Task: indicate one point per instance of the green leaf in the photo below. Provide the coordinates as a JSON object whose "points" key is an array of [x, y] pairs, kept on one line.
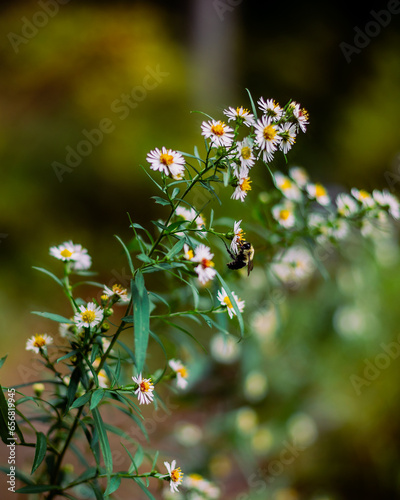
{"points": [[253, 107], [141, 319], [175, 249], [53, 317], [18, 474], [175, 193], [2, 360], [73, 386], [90, 473], [66, 356], [161, 201], [113, 485], [233, 301], [139, 482], [4, 432], [128, 255], [97, 396], [37, 488], [40, 452], [45, 271], [81, 400], [104, 443], [133, 465]]}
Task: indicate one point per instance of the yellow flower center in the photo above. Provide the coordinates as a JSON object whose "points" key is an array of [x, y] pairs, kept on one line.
{"points": [[319, 190], [228, 302], [117, 289], [104, 297], [207, 263], [246, 153], [304, 113], [182, 371], [88, 316], [66, 253], [176, 475], [196, 477], [145, 386], [286, 184], [189, 255], [240, 235], [39, 341], [245, 185], [284, 214], [364, 195], [218, 129], [166, 159], [269, 133]]}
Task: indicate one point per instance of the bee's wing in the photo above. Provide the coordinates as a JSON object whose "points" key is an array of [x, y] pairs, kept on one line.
{"points": [[249, 266]]}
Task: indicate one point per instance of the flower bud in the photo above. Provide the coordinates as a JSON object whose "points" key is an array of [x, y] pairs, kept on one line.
{"points": [[38, 389]]}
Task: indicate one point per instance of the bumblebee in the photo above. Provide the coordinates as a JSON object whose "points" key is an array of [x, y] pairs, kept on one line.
{"points": [[243, 258]]}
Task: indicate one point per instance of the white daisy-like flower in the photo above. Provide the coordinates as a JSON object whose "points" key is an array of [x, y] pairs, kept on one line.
{"points": [[192, 216], [145, 389], [271, 109], [82, 260], [363, 197], [238, 237], [102, 377], [319, 193], [339, 229], [38, 341], [64, 252], [205, 270], [222, 296], [188, 252], [375, 224], [387, 200], [67, 330], [242, 188], [88, 316], [246, 157], [181, 373], [287, 132], [200, 488], [170, 162], [267, 137], [296, 264], [218, 132], [175, 474], [118, 292], [299, 175], [346, 206], [289, 188], [300, 115], [240, 113], [284, 214]]}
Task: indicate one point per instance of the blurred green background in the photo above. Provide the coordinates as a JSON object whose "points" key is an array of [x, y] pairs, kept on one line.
{"points": [[74, 71]]}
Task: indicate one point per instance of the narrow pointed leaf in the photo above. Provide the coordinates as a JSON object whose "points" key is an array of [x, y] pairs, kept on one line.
{"points": [[141, 319], [40, 452]]}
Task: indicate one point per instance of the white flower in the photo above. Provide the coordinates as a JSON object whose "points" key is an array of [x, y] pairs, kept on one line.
{"points": [[222, 296], [346, 206], [192, 216], [118, 291], [188, 255], [200, 488], [296, 264], [181, 372], [363, 196], [289, 189], [76, 254], [242, 113], [238, 238], [242, 189], [319, 193], [271, 109], [169, 162], [267, 137], [205, 270], [88, 316], [224, 348], [300, 115], [175, 474], [284, 214], [38, 341], [299, 175], [287, 132], [339, 228], [387, 200], [145, 389], [218, 132], [66, 330], [102, 377], [246, 156]]}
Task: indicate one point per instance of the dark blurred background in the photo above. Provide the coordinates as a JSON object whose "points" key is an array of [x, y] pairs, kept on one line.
{"points": [[66, 72]]}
